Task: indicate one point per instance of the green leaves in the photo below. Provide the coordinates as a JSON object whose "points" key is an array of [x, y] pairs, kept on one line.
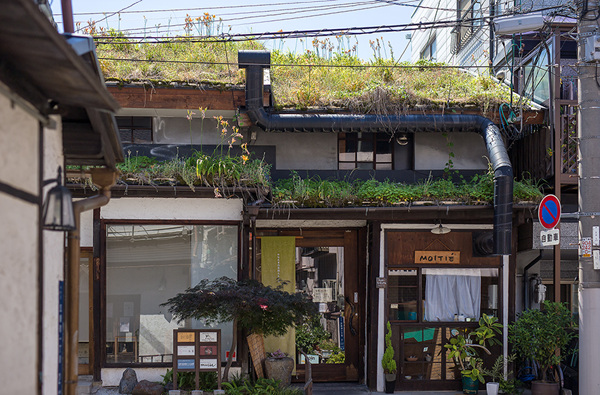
{"points": [[387, 361], [538, 335], [254, 306]]}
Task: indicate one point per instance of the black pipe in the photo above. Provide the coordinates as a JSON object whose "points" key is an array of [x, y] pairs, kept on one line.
{"points": [[255, 61]]}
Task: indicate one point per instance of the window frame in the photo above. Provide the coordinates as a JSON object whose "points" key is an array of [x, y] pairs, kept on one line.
{"points": [[126, 124], [375, 138], [100, 283]]}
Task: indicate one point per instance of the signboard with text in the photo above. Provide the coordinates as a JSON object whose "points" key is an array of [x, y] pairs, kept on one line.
{"points": [[196, 350], [440, 257]]}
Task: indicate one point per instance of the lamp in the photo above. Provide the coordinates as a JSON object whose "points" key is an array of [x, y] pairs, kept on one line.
{"points": [[440, 230], [58, 206], [402, 139]]}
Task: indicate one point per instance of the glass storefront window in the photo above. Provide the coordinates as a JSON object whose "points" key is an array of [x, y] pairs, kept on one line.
{"points": [[459, 294], [148, 264]]}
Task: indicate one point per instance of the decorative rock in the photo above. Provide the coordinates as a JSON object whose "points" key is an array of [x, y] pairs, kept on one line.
{"points": [[146, 387], [128, 381]]}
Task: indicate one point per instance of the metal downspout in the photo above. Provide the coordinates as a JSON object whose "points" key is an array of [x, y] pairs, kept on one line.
{"points": [[255, 61], [104, 179]]}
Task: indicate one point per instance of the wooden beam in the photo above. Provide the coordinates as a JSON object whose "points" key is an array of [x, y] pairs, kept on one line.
{"points": [[177, 98]]}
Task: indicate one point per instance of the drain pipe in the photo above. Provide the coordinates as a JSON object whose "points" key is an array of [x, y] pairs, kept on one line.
{"points": [[104, 179], [255, 61]]}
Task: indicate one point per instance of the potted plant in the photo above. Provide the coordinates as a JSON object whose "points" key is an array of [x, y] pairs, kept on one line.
{"points": [[389, 363], [464, 350], [261, 309], [542, 337], [496, 375]]}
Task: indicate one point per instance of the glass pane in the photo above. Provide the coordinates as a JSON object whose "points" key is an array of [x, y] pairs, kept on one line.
{"points": [[384, 158], [347, 166], [365, 142], [84, 310], [320, 274], [402, 294], [423, 350], [347, 157], [364, 165], [384, 146], [384, 166], [164, 260]]}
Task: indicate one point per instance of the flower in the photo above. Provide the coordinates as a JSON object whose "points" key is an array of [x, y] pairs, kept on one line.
{"points": [[264, 306], [277, 354]]}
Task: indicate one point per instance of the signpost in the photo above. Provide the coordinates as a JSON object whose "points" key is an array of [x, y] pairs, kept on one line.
{"points": [[196, 350]]}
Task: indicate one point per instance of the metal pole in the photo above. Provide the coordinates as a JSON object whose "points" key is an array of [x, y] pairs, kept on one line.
{"points": [[67, 11], [589, 176], [505, 275]]}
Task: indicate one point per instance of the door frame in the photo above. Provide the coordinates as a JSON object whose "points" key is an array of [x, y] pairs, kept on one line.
{"points": [[353, 240], [88, 368]]}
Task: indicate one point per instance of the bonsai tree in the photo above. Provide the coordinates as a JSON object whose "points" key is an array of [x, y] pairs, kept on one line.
{"points": [[464, 349], [388, 362], [539, 335], [248, 303]]}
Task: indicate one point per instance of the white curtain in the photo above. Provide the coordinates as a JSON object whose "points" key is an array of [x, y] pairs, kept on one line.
{"points": [[452, 291]]}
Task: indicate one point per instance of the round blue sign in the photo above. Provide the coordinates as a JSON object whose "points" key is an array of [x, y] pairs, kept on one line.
{"points": [[549, 211]]}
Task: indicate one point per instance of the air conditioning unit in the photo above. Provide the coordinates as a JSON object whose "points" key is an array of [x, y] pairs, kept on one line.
{"points": [[514, 24]]}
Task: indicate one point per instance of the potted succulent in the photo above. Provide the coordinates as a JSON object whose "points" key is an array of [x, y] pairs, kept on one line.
{"points": [[542, 337], [464, 350], [389, 363]]}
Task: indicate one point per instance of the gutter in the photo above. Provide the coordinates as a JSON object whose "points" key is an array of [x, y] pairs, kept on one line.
{"points": [[104, 178], [256, 61]]}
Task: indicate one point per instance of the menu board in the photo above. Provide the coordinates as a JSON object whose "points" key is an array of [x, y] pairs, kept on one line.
{"points": [[196, 350]]}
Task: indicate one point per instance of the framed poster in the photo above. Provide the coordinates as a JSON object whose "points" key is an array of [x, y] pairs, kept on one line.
{"points": [[208, 337], [208, 350]]}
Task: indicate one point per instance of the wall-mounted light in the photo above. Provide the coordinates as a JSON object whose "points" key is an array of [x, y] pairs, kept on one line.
{"points": [[440, 229], [402, 139], [58, 206]]}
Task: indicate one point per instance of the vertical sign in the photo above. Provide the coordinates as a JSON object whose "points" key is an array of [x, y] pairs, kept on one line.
{"points": [[586, 247], [61, 333], [597, 259], [342, 335]]}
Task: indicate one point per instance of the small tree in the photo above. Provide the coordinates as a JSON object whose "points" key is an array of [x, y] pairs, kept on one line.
{"points": [[248, 303], [539, 335], [387, 361]]}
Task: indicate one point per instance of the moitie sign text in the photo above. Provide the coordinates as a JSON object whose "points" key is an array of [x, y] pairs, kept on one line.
{"points": [[439, 257]]}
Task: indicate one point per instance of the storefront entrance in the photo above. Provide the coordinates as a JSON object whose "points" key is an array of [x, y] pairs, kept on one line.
{"points": [[329, 267]]}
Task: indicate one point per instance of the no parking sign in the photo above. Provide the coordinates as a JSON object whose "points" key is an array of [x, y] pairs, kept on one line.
{"points": [[549, 211]]}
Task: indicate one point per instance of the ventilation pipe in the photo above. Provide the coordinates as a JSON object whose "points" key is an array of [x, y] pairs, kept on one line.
{"points": [[255, 61]]}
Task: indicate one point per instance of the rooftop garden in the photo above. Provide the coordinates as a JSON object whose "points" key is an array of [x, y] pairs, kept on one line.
{"points": [[320, 74]]}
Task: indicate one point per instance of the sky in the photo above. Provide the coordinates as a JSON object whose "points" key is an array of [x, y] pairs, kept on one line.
{"points": [[154, 17]]}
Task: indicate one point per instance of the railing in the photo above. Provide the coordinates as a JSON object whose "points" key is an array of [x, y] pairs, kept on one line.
{"points": [[568, 138], [308, 381]]}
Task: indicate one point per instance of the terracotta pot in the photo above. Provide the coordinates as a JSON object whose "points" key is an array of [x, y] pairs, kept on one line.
{"points": [[280, 369], [543, 388]]}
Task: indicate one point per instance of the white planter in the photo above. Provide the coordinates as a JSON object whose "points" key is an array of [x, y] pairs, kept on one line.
{"points": [[492, 388]]}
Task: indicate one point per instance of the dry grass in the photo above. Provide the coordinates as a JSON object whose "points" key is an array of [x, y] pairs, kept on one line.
{"points": [[304, 81]]}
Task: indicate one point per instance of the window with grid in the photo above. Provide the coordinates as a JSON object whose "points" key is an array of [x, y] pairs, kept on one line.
{"points": [[365, 150], [135, 129]]}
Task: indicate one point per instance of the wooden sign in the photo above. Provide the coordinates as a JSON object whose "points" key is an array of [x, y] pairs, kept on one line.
{"points": [[196, 350], [437, 257]]}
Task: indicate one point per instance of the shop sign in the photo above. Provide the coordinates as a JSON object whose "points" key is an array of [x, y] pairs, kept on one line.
{"points": [[437, 257], [380, 282]]}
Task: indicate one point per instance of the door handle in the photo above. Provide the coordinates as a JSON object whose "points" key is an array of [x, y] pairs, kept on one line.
{"points": [[352, 315]]}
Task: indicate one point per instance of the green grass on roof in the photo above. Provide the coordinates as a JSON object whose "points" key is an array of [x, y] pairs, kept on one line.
{"points": [[307, 80]]}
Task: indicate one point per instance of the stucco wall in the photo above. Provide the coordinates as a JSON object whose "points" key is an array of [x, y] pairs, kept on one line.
{"points": [[432, 151], [167, 208], [19, 246]]}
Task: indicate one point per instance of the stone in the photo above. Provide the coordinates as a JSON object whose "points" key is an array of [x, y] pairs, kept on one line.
{"points": [[280, 369], [128, 381], [146, 387]]}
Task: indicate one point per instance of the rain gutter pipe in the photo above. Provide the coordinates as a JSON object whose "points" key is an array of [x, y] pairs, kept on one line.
{"points": [[104, 178], [256, 61]]}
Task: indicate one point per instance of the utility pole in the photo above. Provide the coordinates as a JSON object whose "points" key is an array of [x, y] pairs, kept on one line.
{"points": [[588, 132]]}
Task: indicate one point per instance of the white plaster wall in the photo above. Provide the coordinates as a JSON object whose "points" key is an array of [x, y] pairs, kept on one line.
{"points": [[306, 151], [54, 243], [432, 151], [173, 208], [19, 251], [86, 234]]}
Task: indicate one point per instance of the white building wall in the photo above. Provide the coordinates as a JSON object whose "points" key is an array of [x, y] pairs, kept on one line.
{"points": [[54, 243], [19, 325]]}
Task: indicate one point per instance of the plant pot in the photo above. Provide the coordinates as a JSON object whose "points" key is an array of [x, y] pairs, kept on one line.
{"points": [[280, 369], [469, 385], [492, 388], [543, 388], [390, 383]]}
